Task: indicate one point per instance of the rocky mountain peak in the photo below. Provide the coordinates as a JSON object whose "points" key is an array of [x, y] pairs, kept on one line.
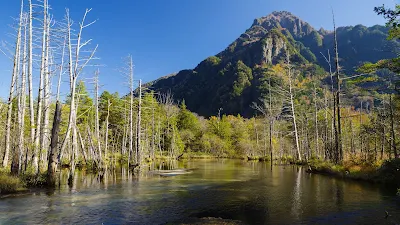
{"points": [[286, 20]]}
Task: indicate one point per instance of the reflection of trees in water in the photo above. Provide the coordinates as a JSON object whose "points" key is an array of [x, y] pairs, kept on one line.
{"points": [[338, 190], [296, 198]]}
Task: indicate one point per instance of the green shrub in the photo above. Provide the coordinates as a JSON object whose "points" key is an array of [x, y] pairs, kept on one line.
{"points": [[34, 180], [9, 184], [389, 172]]}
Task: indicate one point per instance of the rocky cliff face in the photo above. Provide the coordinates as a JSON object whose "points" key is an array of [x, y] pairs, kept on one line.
{"points": [[297, 27], [232, 79]]}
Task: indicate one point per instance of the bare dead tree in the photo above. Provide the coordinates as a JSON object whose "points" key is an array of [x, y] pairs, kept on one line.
{"points": [[338, 139], [138, 124], [96, 120], [107, 124], [43, 71], [77, 63], [12, 88], [22, 100], [30, 72], [291, 93]]}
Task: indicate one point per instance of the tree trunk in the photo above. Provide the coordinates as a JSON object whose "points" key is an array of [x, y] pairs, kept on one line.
{"points": [[46, 99], [82, 146], [131, 110], [153, 134], [293, 110], [326, 126], [139, 128], [52, 164], [392, 127], [96, 119], [382, 139], [72, 84], [271, 121], [40, 94], [12, 87], [74, 154], [316, 123], [360, 131], [22, 105], [339, 148], [106, 136], [30, 66]]}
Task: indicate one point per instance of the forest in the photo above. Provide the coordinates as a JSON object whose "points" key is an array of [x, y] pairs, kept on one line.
{"points": [[303, 114]]}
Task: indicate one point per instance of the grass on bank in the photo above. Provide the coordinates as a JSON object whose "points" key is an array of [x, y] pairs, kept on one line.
{"points": [[385, 172], [12, 184]]}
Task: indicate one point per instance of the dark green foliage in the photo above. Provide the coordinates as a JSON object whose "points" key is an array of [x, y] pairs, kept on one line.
{"points": [[34, 180], [389, 172], [393, 22], [213, 60], [243, 75], [391, 63], [187, 120]]}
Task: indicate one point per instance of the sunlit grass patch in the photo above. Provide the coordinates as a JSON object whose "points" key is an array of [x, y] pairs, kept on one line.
{"points": [[9, 183]]}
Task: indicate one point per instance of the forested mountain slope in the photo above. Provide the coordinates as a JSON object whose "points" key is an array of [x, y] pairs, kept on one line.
{"points": [[236, 77]]}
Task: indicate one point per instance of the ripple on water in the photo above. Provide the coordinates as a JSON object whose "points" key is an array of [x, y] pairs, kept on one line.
{"points": [[253, 193]]}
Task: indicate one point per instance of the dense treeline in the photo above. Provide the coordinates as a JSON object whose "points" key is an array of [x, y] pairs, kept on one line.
{"points": [[304, 112]]}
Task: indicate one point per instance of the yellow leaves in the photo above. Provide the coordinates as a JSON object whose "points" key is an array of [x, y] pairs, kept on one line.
{"points": [[304, 82], [278, 69], [213, 118]]}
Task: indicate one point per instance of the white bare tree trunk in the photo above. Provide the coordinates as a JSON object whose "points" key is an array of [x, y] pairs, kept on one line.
{"points": [[72, 87], [153, 138], [106, 136], [38, 132], [44, 143], [22, 103], [293, 108], [12, 89], [139, 128], [96, 120], [130, 110], [30, 66], [61, 71], [316, 122]]}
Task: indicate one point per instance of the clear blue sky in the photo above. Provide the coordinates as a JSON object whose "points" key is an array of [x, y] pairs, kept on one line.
{"points": [[165, 36]]}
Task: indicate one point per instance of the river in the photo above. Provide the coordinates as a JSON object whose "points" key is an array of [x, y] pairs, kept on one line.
{"points": [[251, 192]]}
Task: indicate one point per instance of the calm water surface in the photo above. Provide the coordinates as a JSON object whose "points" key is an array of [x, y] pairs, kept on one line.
{"points": [[252, 192]]}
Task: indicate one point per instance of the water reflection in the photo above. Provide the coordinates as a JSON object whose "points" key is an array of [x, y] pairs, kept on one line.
{"points": [[296, 203], [252, 192]]}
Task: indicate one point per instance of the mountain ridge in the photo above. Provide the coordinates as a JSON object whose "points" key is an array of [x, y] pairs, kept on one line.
{"points": [[228, 79]]}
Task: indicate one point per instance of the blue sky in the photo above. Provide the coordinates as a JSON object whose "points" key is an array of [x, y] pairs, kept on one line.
{"points": [[165, 36]]}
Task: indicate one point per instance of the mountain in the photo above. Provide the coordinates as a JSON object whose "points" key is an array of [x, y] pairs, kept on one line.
{"points": [[235, 77]]}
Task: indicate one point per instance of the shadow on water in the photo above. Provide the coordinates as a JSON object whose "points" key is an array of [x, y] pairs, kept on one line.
{"points": [[251, 192]]}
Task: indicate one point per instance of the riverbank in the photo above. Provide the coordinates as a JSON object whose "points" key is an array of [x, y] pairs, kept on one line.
{"points": [[202, 155], [386, 173], [11, 184]]}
